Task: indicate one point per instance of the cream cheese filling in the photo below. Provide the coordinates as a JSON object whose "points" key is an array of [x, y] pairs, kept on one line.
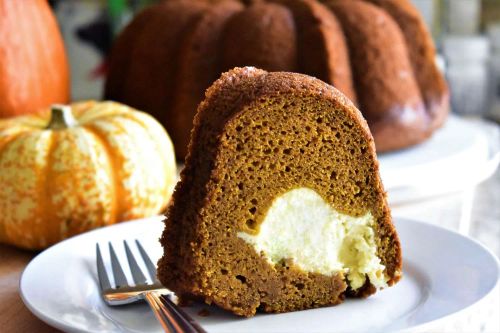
{"points": [[300, 225]]}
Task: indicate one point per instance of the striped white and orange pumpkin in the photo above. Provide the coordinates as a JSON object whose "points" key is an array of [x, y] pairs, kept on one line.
{"points": [[74, 168]]}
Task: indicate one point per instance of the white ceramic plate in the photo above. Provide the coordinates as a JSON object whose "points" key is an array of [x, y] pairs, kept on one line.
{"points": [[461, 154], [444, 273]]}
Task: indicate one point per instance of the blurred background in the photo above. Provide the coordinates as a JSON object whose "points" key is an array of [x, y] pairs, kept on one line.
{"points": [[466, 33]]}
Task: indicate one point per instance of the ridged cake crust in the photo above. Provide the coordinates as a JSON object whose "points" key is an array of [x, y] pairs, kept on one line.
{"points": [[179, 45], [422, 53], [393, 107], [198, 65], [258, 135], [263, 34], [121, 57], [154, 48], [321, 44]]}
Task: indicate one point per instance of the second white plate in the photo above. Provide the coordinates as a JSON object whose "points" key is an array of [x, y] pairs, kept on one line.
{"points": [[460, 155]]}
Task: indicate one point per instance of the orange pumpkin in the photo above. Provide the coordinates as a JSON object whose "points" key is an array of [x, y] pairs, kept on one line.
{"points": [[79, 168], [33, 64]]}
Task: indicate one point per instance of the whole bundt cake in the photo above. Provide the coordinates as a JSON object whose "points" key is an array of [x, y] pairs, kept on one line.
{"points": [[377, 52], [280, 206]]}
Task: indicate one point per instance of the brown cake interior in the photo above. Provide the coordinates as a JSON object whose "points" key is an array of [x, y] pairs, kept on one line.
{"points": [[258, 135]]}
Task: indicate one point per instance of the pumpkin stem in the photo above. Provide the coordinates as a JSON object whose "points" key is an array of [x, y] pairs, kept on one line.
{"points": [[61, 117]]}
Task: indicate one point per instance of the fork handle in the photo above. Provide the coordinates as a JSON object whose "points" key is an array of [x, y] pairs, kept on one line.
{"points": [[171, 317], [153, 300]]}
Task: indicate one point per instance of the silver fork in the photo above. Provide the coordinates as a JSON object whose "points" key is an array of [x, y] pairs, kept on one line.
{"points": [[172, 318]]}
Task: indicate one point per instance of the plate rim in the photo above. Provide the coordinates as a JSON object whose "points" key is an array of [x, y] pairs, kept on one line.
{"points": [[396, 220]]}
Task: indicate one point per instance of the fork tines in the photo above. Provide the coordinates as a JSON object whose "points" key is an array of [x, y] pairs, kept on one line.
{"points": [[120, 280], [171, 317]]}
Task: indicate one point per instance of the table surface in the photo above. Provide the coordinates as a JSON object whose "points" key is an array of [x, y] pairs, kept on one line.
{"points": [[15, 317]]}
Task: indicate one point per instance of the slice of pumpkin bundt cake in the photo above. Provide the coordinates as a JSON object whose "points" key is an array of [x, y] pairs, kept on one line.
{"points": [[280, 206]]}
